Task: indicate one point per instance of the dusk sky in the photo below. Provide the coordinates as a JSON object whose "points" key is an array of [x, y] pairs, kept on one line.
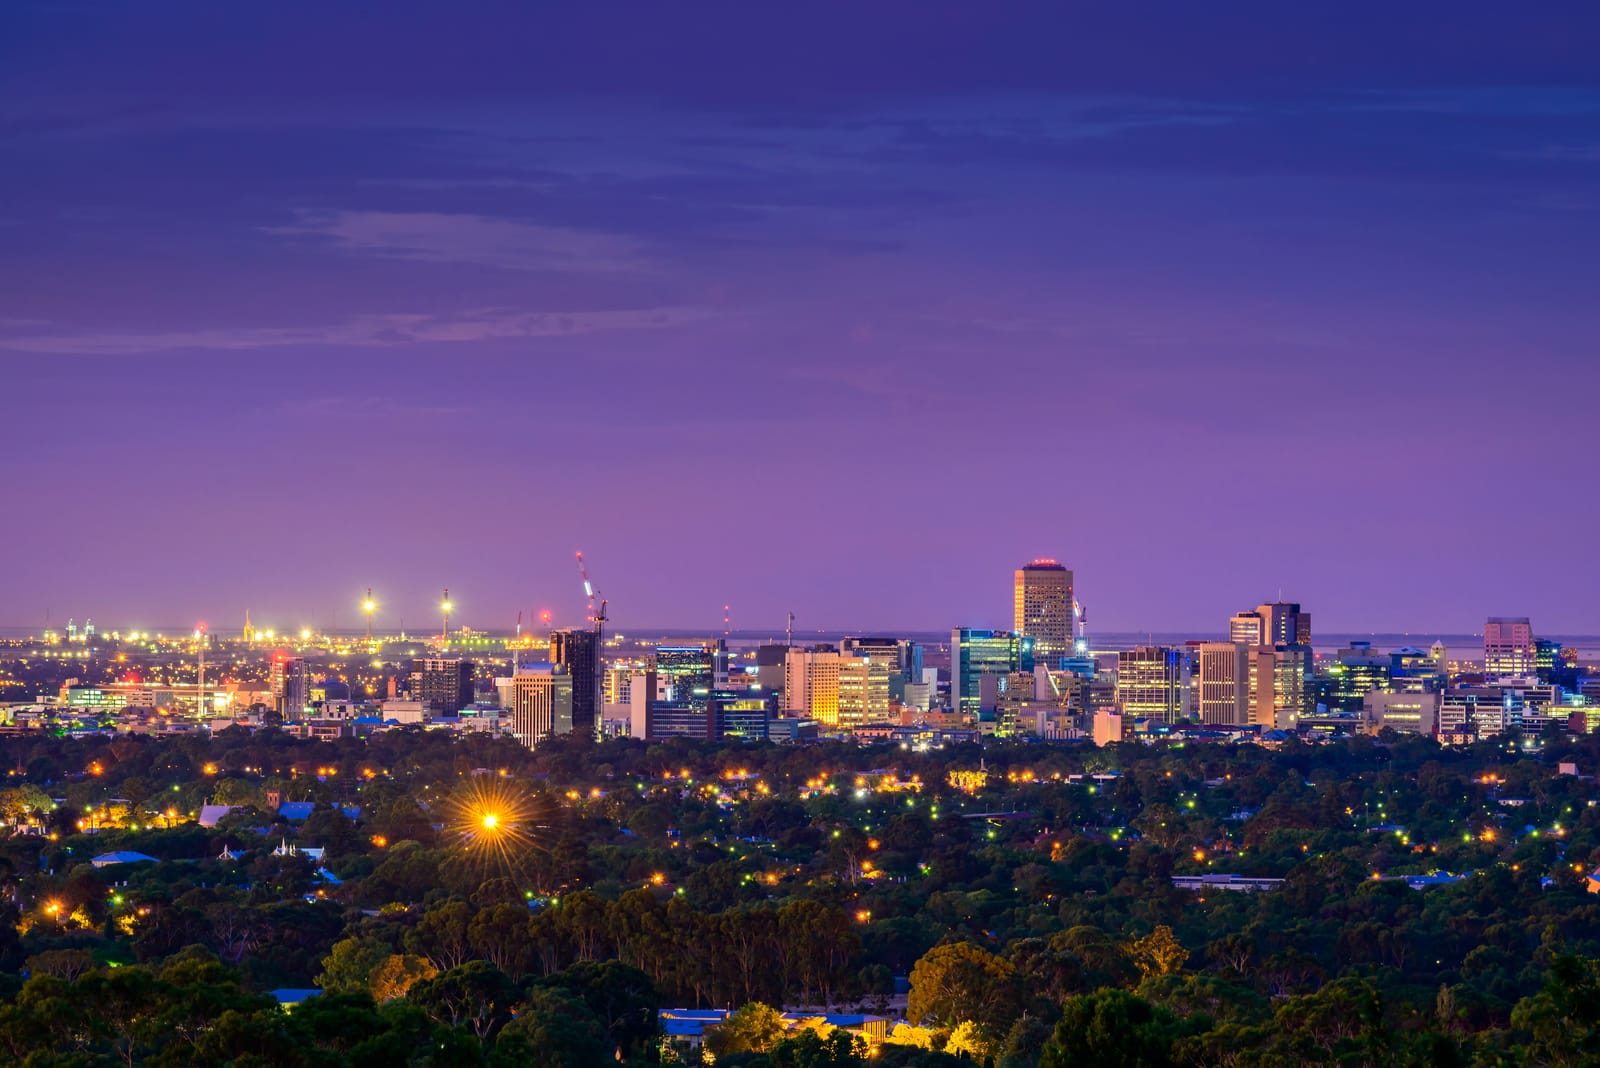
{"points": [[848, 309]]}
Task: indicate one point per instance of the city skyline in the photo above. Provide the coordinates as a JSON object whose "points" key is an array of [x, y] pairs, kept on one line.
{"points": [[1207, 309]]}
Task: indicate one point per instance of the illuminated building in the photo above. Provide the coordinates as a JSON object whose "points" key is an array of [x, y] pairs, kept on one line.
{"points": [[1508, 647], [1041, 609], [1150, 683], [1279, 623], [1355, 672], [442, 684], [540, 699], [811, 684], [1281, 689], [688, 673], [685, 678], [862, 691], [1223, 674], [979, 659], [1409, 713], [1279, 660], [290, 682], [579, 652], [903, 659], [746, 715]]}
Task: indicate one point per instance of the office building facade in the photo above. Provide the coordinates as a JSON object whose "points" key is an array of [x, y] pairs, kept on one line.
{"points": [[540, 700], [979, 659], [1041, 609], [443, 685], [578, 651], [1151, 683], [1508, 649], [1222, 672], [290, 680]]}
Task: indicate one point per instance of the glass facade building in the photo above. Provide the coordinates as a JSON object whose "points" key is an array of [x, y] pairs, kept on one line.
{"points": [[979, 659]]}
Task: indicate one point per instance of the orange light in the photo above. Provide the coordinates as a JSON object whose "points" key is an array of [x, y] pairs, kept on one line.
{"points": [[658, 878], [379, 840]]}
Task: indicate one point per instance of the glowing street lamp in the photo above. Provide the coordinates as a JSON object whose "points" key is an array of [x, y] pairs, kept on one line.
{"points": [[490, 821]]}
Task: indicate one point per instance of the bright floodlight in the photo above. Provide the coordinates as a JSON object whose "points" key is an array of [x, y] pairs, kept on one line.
{"points": [[490, 821], [369, 606]]}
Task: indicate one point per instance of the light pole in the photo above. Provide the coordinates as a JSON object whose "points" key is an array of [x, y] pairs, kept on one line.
{"points": [[444, 607], [369, 606], [200, 685]]}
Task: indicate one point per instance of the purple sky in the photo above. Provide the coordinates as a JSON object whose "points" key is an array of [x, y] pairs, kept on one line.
{"points": [[844, 308]]}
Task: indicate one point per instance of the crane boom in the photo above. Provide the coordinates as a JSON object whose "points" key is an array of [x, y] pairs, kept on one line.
{"points": [[588, 587]]}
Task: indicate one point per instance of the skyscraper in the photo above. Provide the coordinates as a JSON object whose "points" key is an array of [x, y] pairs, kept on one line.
{"points": [[1281, 688], [1277, 637], [442, 684], [863, 691], [291, 684], [541, 703], [811, 684], [1150, 683], [979, 660], [1041, 609], [1223, 675], [1279, 623], [579, 652], [1508, 647]]}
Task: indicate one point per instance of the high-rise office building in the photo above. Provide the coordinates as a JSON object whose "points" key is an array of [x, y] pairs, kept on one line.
{"points": [[1281, 685], [1279, 623], [745, 715], [686, 676], [687, 673], [290, 679], [540, 698], [1150, 683], [443, 685], [863, 691], [1356, 671], [579, 652], [1508, 647], [811, 684], [1279, 660], [1041, 609], [903, 659], [1222, 671], [979, 660]]}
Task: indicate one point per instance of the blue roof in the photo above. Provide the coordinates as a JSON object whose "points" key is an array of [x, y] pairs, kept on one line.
{"points": [[289, 995], [123, 857], [296, 810]]}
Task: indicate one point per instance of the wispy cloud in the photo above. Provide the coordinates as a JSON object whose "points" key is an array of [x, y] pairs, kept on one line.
{"points": [[438, 237], [485, 324]]}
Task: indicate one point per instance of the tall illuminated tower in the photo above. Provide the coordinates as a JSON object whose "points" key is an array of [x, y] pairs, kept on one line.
{"points": [[1508, 649], [369, 606], [1041, 609]]}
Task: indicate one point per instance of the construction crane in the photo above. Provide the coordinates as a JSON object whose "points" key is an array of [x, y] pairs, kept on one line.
{"points": [[588, 587]]}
